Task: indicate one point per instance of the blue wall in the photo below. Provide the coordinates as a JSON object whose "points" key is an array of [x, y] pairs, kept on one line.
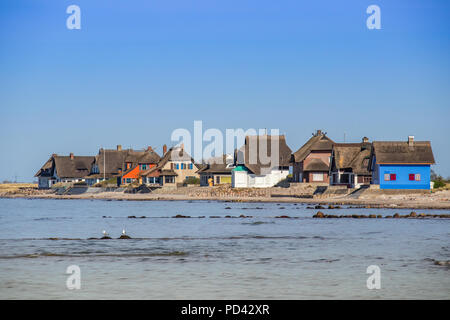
{"points": [[403, 172]]}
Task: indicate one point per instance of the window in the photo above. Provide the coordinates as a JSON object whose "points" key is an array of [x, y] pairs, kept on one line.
{"points": [[128, 180], [317, 176], [412, 177], [218, 180], [169, 179], [144, 167], [393, 176], [177, 166], [190, 166], [417, 176], [183, 166], [387, 177]]}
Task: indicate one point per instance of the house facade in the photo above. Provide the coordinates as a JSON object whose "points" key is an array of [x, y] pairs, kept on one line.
{"points": [[175, 166], [217, 172], [253, 170], [402, 164], [137, 162], [350, 164], [311, 163], [65, 169]]}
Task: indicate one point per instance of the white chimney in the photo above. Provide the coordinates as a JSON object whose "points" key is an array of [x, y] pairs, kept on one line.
{"points": [[411, 141]]}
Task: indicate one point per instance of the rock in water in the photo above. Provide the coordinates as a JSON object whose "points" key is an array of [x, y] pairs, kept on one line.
{"points": [[319, 214]]}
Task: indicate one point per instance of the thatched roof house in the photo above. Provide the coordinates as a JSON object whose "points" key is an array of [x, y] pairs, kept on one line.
{"points": [[64, 169], [401, 164], [350, 163], [311, 163]]}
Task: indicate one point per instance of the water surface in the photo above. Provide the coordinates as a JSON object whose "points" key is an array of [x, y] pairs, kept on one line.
{"points": [[209, 256]]}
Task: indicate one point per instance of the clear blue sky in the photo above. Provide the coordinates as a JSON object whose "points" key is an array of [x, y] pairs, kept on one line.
{"points": [[139, 69]]}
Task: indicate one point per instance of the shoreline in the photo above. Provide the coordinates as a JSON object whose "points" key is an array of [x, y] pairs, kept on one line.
{"points": [[384, 203]]}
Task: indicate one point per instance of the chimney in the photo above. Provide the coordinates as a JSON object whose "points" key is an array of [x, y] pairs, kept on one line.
{"points": [[164, 149], [54, 155], [318, 132], [411, 141], [149, 149], [71, 156], [365, 140], [119, 147], [182, 146]]}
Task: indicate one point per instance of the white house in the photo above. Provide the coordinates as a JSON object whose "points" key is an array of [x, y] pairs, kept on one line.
{"points": [[260, 166]]}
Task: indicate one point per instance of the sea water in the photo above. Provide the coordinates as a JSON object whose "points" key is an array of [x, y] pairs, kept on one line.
{"points": [[210, 256]]}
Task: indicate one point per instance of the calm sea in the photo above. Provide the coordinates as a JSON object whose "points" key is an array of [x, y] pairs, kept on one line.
{"points": [[209, 256]]}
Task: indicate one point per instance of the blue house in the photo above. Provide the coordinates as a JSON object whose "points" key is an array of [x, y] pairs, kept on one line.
{"points": [[401, 164]]}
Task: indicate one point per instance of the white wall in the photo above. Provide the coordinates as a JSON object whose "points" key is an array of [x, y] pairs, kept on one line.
{"points": [[243, 179]]}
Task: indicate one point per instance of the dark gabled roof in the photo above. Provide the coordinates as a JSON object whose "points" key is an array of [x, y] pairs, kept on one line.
{"points": [[354, 156], [46, 170], [319, 142], [400, 152], [251, 158], [316, 165], [110, 162], [78, 167], [217, 165], [147, 156], [66, 166]]}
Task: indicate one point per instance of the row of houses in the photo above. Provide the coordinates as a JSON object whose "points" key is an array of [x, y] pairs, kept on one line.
{"points": [[387, 164]]}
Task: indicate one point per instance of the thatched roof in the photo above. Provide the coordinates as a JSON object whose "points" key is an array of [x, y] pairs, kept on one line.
{"points": [[111, 162], [316, 165], [249, 153], [139, 157], [400, 152], [319, 142], [67, 166], [353, 156]]}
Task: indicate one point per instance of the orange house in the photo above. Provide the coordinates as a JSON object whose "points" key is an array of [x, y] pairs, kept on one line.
{"points": [[134, 173]]}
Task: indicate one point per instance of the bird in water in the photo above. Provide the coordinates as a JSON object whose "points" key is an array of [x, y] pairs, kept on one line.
{"points": [[105, 235], [124, 235]]}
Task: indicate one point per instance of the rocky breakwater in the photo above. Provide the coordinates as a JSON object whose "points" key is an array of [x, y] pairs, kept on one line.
{"points": [[225, 191], [412, 215]]}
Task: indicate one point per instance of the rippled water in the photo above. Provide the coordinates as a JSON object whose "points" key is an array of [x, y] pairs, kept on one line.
{"points": [[209, 256]]}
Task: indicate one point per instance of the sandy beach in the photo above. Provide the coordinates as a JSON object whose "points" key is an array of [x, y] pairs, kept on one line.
{"points": [[366, 199]]}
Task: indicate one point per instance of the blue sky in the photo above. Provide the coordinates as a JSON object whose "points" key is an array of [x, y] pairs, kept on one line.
{"points": [[137, 70]]}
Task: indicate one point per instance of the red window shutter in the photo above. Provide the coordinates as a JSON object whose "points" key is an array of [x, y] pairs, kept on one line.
{"points": [[412, 177], [393, 177]]}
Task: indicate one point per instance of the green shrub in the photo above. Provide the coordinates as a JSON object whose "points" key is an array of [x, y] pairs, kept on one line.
{"points": [[191, 180], [439, 183]]}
